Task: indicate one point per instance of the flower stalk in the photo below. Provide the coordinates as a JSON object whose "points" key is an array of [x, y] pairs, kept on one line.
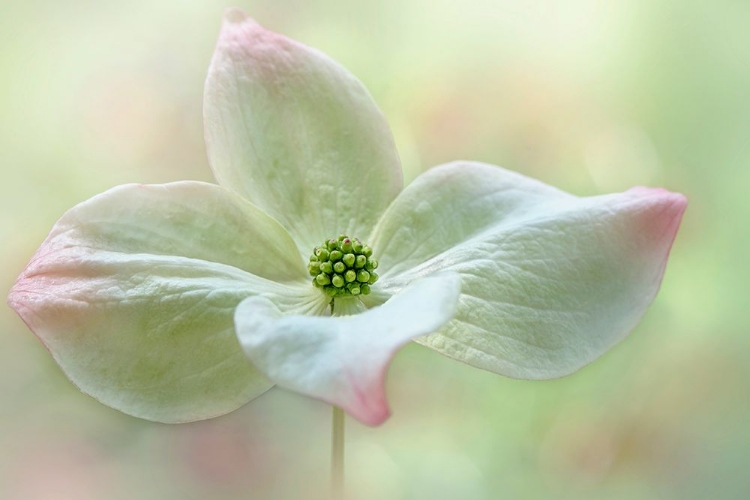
{"points": [[337, 454]]}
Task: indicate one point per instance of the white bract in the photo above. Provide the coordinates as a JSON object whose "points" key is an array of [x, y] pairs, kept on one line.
{"points": [[184, 301]]}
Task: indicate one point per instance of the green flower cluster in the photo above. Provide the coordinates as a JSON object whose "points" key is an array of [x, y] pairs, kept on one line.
{"points": [[343, 267]]}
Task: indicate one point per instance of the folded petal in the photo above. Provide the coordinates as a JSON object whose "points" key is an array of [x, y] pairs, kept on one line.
{"points": [[133, 293], [296, 134], [550, 281], [343, 359]]}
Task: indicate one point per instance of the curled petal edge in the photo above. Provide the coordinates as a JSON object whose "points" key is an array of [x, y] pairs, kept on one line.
{"points": [[343, 360]]}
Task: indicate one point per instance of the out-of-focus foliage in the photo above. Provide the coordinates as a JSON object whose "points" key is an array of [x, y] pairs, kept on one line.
{"points": [[588, 95]]}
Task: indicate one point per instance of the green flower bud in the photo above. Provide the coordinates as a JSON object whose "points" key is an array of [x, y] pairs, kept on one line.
{"points": [[371, 265], [357, 246], [322, 279], [336, 255], [349, 259], [346, 245], [360, 261], [366, 251], [365, 289], [337, 281], [373, 278], [332, 244], [322, 254], [314, 268], [363, 276], [339, 267], [350, 275], [326, 267]]}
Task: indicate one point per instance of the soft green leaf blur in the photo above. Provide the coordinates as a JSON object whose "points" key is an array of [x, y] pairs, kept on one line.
{"points": [[588, 95]]}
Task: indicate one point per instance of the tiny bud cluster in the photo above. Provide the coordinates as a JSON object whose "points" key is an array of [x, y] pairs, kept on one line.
{"points": [[343, 267]]}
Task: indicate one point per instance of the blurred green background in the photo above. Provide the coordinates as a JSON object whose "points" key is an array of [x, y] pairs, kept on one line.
{"points": [[589, 95]]}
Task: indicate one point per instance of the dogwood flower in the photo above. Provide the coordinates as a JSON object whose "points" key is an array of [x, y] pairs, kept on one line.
{"points": [[309, 265]]}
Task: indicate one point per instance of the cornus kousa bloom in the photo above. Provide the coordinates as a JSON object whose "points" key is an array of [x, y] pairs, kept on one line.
{"points": [[309, 264]]}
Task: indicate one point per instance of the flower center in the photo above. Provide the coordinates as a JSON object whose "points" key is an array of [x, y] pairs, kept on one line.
{"points": [[343, 267]]}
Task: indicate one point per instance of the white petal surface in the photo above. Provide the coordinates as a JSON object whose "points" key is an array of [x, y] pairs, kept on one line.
{"points": [[550, 281], [343, 359], [296, 134], [133, 292]]}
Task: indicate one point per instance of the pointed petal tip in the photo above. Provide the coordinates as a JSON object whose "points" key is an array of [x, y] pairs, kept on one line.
{"points": [[239, 26], [678, 200], [17, 299], [665, 213], [370, 406], [373, 418], [25, 290], [239, 31], [235, 15]]}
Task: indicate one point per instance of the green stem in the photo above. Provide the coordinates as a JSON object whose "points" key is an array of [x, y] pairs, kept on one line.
{"points": [[337, 449], [337, 454]]}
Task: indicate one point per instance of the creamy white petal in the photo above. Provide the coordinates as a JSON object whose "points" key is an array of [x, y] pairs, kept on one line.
{"points": [[133, 293], [550, 281], [343, 359], [296, 134]]}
